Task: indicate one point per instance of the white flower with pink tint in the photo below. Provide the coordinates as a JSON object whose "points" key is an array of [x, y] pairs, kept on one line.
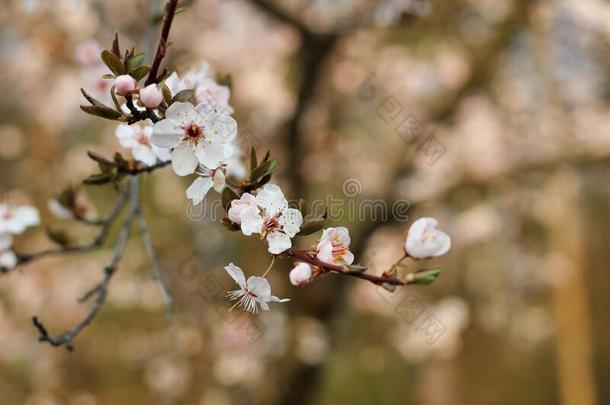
{"points": [[16, 219], [124, 85], [240, 207], [151, 96], [300, 274], [207, 180], [205, 89], [216, 96], [424, 240], [252, 293], [138, 138], [270, 216], [195, 136], [333, 247]]}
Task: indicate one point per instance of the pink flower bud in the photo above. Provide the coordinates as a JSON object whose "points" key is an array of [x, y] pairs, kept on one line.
{"points": [[124, 84], [150, 96], [300, 274]]}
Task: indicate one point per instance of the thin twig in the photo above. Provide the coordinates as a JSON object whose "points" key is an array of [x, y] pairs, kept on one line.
{"points": [[155, 264], [100, 291], [96, 242], [170, 11], [309, 256]]}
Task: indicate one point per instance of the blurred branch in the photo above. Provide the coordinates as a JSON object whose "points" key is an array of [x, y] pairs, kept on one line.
{"points": [[100, 290], [106, 226], [154, 262]]}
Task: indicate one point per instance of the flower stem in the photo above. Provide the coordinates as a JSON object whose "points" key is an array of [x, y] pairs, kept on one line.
{"points": [[270, 266]]}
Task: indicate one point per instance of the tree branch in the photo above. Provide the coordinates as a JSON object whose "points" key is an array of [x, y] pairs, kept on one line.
{"points": [[170, 11], [100, 291], [155, 264]]}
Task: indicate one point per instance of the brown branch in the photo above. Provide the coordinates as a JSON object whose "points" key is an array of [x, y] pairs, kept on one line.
{"points": [[154, 262], [106, 225], [170, 11], [100, 291], [309, 256]]}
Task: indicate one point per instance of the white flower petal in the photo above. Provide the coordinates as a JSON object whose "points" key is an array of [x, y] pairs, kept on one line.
{"points": [[183, 113], [167, 133], [291, 221], [198, 189], [184, 160], [278, 242], [251, 220], [424, 240], [27, 215], [260, 287], [272, 199], [237, 207], [236, 274], [210, 155], [144, 154], [8, 260], [221, 128]]}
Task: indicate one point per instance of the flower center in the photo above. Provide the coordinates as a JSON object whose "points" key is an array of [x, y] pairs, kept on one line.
{"points": [[272, 225], [143, 139], [193, 132], [7, 215]]}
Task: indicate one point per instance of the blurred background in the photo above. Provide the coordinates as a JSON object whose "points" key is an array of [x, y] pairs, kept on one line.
{"points": [[490, 115]]}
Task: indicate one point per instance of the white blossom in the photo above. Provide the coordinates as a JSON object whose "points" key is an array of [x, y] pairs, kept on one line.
{"points": [[424, 240], [15, 219], [207, 179], [268, 214], [252, 293], [300, 274], [138, 138], [333, 247], [205, 89], [196, 136]]}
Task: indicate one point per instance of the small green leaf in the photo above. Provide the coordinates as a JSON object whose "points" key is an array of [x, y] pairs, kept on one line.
{"points": [[427, 276], [134, 61], [101, 111], [116, 49], [263, 169], [90, 99], [109, 76], [139, 72], [58, 236], [180, 9], [167, 94], [98, 179], [228, 195], [114, 63]]}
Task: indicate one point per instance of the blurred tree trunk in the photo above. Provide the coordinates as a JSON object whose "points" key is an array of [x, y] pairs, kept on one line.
{"points": [[596, 205], [573, 321]]}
